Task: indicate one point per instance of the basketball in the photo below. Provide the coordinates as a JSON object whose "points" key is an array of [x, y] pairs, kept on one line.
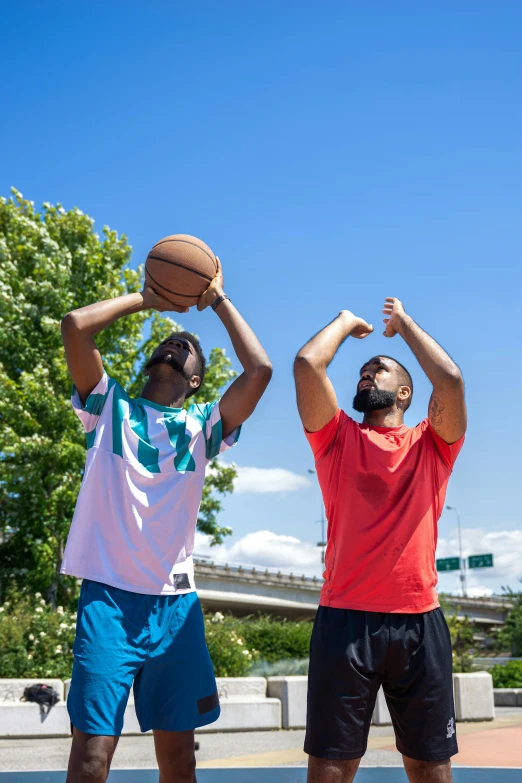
{"points": [[180, 268]]}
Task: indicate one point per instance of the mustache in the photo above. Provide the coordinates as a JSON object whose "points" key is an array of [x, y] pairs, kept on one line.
{"points": [[171, 361]]}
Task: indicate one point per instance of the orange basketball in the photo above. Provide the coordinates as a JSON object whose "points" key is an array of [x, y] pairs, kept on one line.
{"points": [[180, 268]]}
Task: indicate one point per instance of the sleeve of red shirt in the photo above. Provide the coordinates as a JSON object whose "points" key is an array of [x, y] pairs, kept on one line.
{"points": [[448, 452], [321, 440]]}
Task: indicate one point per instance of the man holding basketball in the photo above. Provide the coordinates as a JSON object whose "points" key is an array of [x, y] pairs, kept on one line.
{"points": [[132, 535], [379, 620]]}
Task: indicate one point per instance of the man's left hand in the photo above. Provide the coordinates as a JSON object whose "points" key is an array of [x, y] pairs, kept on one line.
{"points": [[394, 311], [214, 290]]}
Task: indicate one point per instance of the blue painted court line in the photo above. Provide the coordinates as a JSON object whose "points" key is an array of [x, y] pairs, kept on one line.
{"points": [[275, 775]]}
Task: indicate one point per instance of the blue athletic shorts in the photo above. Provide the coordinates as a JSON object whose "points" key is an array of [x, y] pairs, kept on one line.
{"points": [[156, 642]]}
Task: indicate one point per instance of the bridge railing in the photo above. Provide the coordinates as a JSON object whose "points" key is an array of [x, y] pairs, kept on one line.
{"points": [[239, 569]]}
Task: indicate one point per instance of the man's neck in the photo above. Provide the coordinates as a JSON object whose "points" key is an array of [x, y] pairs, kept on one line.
{"points": [[387, 417], [163, 393]]}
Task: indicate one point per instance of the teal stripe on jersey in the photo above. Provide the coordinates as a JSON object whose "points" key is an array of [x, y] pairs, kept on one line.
{"points": [[94, 402], [90, 438], [147, 454], [119, 406], [180, 439], [202, 414], [213, 444]]}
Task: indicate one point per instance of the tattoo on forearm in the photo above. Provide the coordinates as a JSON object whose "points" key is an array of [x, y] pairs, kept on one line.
{"points": [[435, 412]]}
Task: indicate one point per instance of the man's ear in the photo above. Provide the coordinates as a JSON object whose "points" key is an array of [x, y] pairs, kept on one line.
{"points": [[403, 393], [195, 382]]}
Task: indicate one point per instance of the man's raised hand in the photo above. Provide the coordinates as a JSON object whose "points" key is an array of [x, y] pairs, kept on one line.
{"points": [[154, 301], [394, 312], [215, 289], [358, 326]]}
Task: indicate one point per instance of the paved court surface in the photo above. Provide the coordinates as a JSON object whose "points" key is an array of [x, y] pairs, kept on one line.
{"points": [[238, 757]]}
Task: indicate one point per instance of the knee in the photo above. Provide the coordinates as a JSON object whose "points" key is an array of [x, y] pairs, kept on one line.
{"points": [[178, 768], [430, 771], [419, 764], [89, 768], [187, 766], [331, 770]]}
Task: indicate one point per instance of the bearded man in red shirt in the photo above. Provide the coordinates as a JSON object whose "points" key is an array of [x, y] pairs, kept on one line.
{"points": [[379, 621]]}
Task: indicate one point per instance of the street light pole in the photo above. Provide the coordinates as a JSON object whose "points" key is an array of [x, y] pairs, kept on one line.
{"points": [[322, 533], [462, 562]]}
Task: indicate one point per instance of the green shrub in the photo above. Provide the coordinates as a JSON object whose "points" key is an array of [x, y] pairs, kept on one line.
{"points": [[230, 653], [510, 636], [276, 640], [240, 646], [35, 640], [507, 676], [462, 633]]}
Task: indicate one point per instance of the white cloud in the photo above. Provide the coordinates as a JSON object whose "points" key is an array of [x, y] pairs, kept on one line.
{"points": [[268, 480], [504, 545], [478, 590], [267, 549]]}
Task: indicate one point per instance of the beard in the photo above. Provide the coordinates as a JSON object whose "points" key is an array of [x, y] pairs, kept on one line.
{"points": [[373, 399], [171, 361]]}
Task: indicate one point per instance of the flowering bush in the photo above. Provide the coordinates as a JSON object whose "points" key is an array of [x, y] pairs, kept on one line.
{"points": [[230, 655], [237, 645], [35, 640]]}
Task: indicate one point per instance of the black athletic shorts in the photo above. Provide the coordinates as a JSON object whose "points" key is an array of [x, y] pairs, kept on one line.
{"points": [[352, 654]]}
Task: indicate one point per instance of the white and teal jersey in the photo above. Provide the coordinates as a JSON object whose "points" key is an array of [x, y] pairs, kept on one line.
{"points": [[136, 513]]}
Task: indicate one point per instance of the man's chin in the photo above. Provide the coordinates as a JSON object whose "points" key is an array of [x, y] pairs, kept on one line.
{"points": [[368, 400]]}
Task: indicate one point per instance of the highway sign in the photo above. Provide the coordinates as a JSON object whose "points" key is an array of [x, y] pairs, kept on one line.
{"points": [[448, 564], [480, 561]]}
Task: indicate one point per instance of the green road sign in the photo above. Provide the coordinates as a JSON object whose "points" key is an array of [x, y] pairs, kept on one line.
{"points": [[480, 561], [448, 564]]}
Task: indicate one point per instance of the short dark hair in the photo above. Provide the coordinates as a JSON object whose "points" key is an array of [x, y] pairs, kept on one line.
{"points": [[201, 367], [406, 377]]}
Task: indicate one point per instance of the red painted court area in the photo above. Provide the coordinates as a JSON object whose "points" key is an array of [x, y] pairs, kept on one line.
{"points": [[487, 747]]}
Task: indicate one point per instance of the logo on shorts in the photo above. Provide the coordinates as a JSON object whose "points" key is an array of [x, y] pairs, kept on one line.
{"points": [[451, 728]]}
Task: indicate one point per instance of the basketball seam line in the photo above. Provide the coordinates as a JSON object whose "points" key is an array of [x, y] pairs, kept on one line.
{"points": [[186, 242], [186, 296], [181, 266]]}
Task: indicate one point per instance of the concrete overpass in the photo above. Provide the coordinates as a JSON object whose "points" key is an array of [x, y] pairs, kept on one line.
{"points": [[246, 590]]}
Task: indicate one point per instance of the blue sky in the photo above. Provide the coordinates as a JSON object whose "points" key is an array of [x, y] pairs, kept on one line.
{"points": [[332, 153]]}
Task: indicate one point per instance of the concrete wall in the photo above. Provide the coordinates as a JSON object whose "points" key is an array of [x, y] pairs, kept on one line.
{"points": [[247, 704], [508, 697]]}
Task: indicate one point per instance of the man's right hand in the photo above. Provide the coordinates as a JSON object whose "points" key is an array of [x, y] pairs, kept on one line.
{"points": [[358, 326], [153, 301], [316, 398]]}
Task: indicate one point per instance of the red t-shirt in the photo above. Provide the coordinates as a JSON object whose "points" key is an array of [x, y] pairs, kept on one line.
{"points": [[384, 491]]}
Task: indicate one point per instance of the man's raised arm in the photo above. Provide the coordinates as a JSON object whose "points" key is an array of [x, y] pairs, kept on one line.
{"points": [[447, 408], [316, 399], [80, 326], [240, 399]]}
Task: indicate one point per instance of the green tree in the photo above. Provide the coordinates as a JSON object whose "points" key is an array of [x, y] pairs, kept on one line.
{"points": [[510, 637], [462, 633], [52, 262]]}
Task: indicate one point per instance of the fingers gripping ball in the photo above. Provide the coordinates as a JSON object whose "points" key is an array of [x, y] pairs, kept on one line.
{"points": [[180, 268]]}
